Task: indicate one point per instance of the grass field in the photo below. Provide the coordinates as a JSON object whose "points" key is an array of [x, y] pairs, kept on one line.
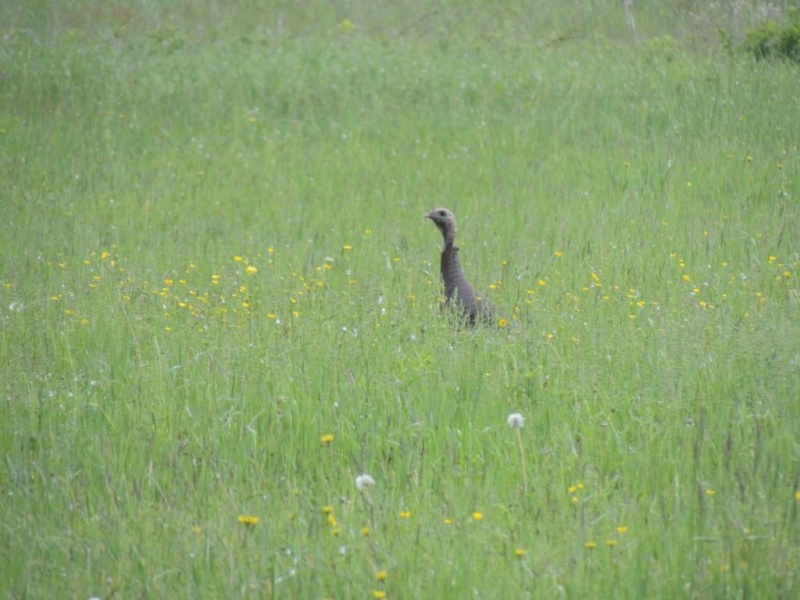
{"points": [[219, 301]]}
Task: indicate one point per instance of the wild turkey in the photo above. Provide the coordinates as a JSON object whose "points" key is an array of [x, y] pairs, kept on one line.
{"points": [[471, 305]]}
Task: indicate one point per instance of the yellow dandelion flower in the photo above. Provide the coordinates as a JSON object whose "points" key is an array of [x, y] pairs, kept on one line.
{"points": [[381, 575], [477, 516], [251, 270], [238, 258], [520, 552], [248, 520], [336, 531], [590, 545], [196, 529], [331, 520], [771, 259], [611, 543], [365, 531], [502, 323], [448, 521], [686, 277], [710, 492], [572, 489], [797, 495], [405, 514], [378, 594], [327, 438], [327, 509], [346, 247], [559, 254], [622, 529]]}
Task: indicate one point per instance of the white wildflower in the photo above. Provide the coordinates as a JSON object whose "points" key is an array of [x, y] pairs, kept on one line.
{"points": [[364, 481], [515, 420]]}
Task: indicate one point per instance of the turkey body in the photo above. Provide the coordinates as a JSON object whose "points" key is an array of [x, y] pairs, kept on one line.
{"points": [[472, 306]]}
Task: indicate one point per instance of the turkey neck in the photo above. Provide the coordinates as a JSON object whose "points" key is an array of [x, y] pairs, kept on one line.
{"points": [[452, 274]]}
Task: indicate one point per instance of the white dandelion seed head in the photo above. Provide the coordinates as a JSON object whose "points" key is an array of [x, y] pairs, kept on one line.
{"points": [[364, 481], [515, 420]]}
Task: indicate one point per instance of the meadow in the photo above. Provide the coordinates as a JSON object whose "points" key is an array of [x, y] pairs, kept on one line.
{"points": [[219, 301]]}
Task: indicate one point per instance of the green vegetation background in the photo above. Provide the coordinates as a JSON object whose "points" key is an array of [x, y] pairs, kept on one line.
{"points": [[219, 301]]}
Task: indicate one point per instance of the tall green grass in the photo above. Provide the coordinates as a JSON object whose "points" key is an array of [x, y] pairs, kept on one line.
{"points": [[215, 260]]}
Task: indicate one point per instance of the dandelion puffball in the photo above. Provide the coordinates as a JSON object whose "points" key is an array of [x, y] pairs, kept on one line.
{"points": [[515, 420], [364, 481]]}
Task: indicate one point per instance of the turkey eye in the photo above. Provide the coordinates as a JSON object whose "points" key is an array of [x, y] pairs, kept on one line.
{"points": [[442, 213]]}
